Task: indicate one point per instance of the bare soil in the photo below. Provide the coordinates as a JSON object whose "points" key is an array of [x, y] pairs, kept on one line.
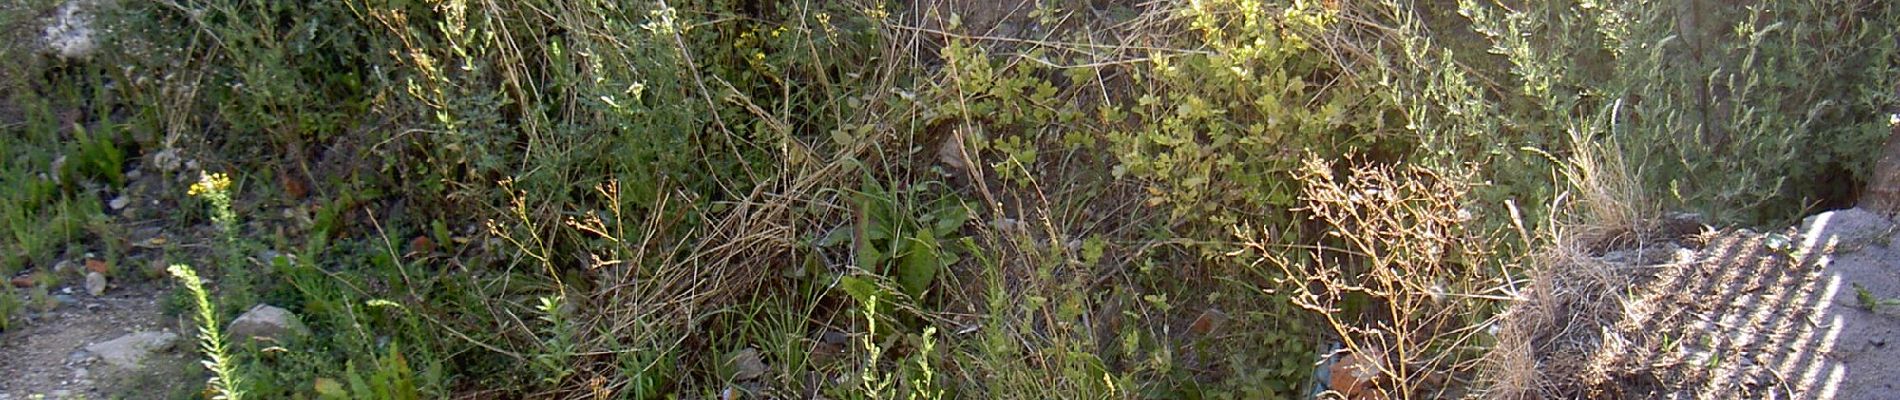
{"points": [[46, 354], [1728, 315]]}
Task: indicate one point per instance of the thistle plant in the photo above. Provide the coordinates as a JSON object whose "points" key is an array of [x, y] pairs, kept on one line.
{"points": [[210, 338]]}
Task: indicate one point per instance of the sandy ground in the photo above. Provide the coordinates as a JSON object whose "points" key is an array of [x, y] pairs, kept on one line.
{"points": [[46, 355], [1732, 315], [1858, 347]]}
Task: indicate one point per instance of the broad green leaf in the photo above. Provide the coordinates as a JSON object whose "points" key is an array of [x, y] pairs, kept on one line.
{"points": [[864, 291], [920, 265]]}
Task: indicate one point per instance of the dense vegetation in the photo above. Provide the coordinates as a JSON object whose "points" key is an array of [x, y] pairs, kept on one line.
{"points": [[1074, 199]]}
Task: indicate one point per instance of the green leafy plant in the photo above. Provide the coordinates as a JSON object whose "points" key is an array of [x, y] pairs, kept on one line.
{"points": [[9, 305], [1870, 302], [896, 237], [97, 157], [226, 380], [553, 361]]}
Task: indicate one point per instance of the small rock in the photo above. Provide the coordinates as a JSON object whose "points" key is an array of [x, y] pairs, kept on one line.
{"points": [[951, 153], [167, 160], [293, 187], [23, 281], [746, 365], [267, 321], [78, 357], [421, 245], [65, 299], [119, 203], [1352, 376], [156, 268], [96, 265], [834, 337], [65, 267], [95, 283], [1208, 323], [830, 347], [132, 349]]}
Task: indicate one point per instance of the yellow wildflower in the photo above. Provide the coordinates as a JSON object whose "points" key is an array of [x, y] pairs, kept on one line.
{"points": [[209, 183]]}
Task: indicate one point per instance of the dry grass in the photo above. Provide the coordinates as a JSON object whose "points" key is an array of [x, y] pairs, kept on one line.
{"points": [[1567, 293]]}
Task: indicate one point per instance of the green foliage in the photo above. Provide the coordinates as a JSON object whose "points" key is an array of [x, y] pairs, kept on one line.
{"points": [[392, 378], [96, 158], [1749, 114], [1869, 301], [226, 382], [9, 304], [899, 238], [554, 364], [914, 379], [1113, 150], [1222, 130]]}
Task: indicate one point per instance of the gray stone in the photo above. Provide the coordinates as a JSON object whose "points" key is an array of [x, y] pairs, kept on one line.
{"points": [[834, 337], [95, 283], [1844, 228], [167, 160], [267, 321], [131, 350], [78, 357], [66, 267], [746, 365]]}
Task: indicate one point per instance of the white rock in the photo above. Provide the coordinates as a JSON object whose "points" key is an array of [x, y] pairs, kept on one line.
{"points": [[1849, 227], [132, 349], [167, 160], [119, 203], [95, 283], [267, 321], [69, 34]]}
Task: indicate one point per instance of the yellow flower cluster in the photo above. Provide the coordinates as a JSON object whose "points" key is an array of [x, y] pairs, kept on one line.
{"points": [[209, 183]]}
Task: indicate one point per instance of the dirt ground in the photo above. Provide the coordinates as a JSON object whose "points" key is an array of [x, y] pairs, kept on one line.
{"points": [[1729, 315], [46, 355]]}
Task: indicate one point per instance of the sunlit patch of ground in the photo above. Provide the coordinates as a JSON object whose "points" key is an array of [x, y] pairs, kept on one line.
{"points": [[1735, 314]]}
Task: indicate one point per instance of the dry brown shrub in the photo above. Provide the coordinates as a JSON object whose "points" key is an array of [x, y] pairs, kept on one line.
{"points": [[1402, 275]]}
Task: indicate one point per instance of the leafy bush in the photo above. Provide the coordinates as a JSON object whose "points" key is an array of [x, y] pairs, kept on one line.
{"points": [[565, 199]]}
